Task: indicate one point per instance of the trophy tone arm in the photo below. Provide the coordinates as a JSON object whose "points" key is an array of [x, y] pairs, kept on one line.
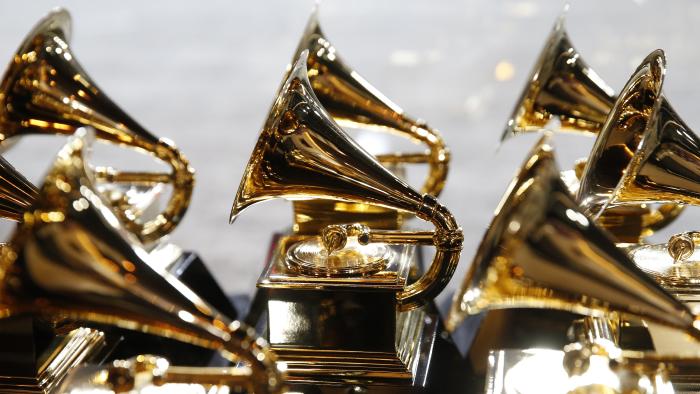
{"points": [[447, 239]]}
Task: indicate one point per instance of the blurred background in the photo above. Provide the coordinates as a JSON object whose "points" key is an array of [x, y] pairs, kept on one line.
{"points": [[204, 74]]}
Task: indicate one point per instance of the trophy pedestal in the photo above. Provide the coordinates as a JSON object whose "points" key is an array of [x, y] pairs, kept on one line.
{"points": [[35, 359], [340, 335]]}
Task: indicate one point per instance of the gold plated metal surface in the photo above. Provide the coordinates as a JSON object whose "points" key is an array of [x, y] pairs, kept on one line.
{"points": [[152, 374], [541, 251], [563, 86], [46, 91], [679, 277], [584, 368], [645, 153], [348, 329], [352, 101], [628, 223], [312, 258], [16, 192], [72, 259], [302, 154], [76, 347], [681, 246]]}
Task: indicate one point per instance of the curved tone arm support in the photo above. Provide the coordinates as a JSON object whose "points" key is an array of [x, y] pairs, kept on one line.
{"points": [[447, 239]]}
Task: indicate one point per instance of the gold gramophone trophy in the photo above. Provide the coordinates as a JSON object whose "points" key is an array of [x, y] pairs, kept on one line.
{"points": [[46, 91], [646, 153], [35, 352], [563, 87], [71, 259], [337, 307], [542, 252], [352, 102]]}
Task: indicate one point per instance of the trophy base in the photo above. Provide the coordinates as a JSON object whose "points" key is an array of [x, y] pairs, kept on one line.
{"points": [[35, 359], [337, 337], [439, 366]]}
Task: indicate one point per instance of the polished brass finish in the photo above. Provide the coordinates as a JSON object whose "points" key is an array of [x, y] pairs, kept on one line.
{"points": [[310, 217], [562, 86], [681, 246], [16, 192], [627, 223], [584, 368], [633, 223], [645, 152], [346, 329], [312, 258], [678, 273], [145, 373], [71, 259], [302, 154], [76, 347], [352, 101], [541, 251], [596, 329], [46, 91]]}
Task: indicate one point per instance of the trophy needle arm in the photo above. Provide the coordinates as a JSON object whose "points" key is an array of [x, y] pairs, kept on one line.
{"points": [[681, 246], [447, 239], [109, 174]]}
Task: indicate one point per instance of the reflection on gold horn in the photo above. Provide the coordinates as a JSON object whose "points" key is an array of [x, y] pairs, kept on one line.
{"points": [[302, 154], [562, 86], [541, 251], [645, 152], [46, 91], [72, 259], [352, 101], [16, 193]]}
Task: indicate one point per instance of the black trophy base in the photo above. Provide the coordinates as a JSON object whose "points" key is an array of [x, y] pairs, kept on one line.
{"points": [[192, 271]]}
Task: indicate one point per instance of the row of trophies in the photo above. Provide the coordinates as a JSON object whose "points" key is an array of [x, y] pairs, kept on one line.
{"points": [[564, 292]]}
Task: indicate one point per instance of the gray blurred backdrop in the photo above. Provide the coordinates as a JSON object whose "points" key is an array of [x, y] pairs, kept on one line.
{"points": [[204, 74]]}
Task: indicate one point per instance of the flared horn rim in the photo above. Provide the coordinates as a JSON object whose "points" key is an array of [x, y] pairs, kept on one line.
{"points": [[594, 196], [557, 34]]}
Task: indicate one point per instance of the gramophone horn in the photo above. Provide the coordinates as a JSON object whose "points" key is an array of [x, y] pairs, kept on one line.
{"points": [[352, 101], [645, 152], [46, 91], [562, 86], [541, 251], [71, 259], [17, 194], [302, 154]]}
